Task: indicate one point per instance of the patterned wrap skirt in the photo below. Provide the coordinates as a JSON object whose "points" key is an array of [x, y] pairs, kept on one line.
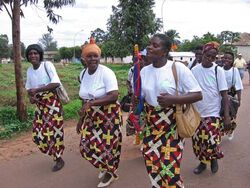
{"points": [[162, 148], [101, 137], [48, 125], [206, 140]]}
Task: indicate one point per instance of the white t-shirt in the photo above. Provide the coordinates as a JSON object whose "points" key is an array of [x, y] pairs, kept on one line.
{"points": [[161, 80], [39, 77], [233, 78], [210, 105], [98, 84]]}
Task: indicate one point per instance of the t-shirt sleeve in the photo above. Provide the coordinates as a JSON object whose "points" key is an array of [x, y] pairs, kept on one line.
{"points": [[237, 80], [221, 79], [187, 81], [110, 80], [27, 84], [52, 72]]}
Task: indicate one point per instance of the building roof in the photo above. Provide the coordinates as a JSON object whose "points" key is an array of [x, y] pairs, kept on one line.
{"points": [[244, 40], [181, 54]]}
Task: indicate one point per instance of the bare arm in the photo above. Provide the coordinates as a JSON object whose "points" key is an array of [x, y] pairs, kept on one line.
{"points": [[48, 87], [166, 99], [225, 102], [239, 96]]}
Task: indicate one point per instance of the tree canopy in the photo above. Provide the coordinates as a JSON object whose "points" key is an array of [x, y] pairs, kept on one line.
{"points": [[47, 42], [131, 22], [4, 47]]}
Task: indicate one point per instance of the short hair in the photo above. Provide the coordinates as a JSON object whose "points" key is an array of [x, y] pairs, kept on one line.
{"points": [[167, 42], [230, 53], [36, 47]]}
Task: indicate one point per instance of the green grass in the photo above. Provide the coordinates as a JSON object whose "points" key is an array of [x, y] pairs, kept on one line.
{"points": [[9, 124]]}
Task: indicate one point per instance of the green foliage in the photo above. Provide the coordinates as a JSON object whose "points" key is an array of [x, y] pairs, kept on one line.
{"points": [[9, 123], [66, 53], [71, 109], [47, 42], [4, 47], [131, 23]]}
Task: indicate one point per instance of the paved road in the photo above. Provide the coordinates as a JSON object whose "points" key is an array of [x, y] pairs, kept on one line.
{"points": [[33, 170]]}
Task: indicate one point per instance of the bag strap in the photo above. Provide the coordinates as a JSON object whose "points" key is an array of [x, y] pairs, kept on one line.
{"points": [[45, 67], [175, 77], [174, 70], [216, 77], [233, 78], [83, 75]]}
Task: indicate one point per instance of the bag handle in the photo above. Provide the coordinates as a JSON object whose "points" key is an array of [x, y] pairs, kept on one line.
{"points": [[174, 70], [175, 77], [45, 67]]}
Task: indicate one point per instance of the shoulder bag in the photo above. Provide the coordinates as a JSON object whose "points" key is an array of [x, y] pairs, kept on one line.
{"points": [[187, 117], [60, 90]]}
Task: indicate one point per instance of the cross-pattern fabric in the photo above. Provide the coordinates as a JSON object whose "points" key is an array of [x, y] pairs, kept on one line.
{"points": [[101, 137], [48, 131], [162, 148], [206, 140]]}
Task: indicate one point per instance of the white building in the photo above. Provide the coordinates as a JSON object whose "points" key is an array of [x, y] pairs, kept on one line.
{"points": [[182, 56]]}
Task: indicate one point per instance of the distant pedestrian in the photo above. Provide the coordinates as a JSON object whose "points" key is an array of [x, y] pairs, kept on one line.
{"points": [[207, 137], [42, 80], [198, 57], [240, 64], [162, 147]]}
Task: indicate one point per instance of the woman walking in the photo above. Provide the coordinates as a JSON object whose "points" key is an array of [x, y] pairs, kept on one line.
{"points": [[162, 147], [207, 137], [235, 87], [42, 80], [101, 120]]}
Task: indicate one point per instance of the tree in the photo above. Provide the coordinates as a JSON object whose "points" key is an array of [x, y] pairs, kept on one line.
{"points": [[131, 22], [22, 50], [47, 42], [99, 35], [13, 8], [174, 36], [227, 38], [4, 47], [66, 53]]}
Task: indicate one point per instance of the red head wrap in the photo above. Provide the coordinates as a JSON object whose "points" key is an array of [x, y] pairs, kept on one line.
{"points": [[211, 45]]}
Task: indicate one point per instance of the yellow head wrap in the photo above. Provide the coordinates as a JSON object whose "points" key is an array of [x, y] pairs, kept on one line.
{"points": [[91, 47]]}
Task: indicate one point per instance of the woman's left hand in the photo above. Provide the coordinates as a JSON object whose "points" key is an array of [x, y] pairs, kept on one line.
{"points": [[32, 92], [227, 123], [85, 107], [165, 100]]}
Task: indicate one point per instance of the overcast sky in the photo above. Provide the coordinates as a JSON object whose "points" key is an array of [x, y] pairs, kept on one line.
{"points": [[188, 17]]}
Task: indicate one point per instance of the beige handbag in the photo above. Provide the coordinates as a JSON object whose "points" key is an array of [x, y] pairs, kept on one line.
{"points": [[60, 90], [187, 117]]}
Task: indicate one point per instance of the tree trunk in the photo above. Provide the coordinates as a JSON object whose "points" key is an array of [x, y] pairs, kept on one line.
{"points": [[21, 106]]}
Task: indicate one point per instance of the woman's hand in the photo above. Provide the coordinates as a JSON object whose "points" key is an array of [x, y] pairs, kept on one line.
{"points": [[79, 126], [227, 123], [165, 100], [85, 107], [32, 92]]}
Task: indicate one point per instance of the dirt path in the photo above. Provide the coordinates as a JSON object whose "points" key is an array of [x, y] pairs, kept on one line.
{"points": [[23, 166]]}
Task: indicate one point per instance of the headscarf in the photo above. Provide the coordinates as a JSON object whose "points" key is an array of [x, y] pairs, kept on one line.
{"points": [[36, 47], [211, 45], [91, 47]]}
